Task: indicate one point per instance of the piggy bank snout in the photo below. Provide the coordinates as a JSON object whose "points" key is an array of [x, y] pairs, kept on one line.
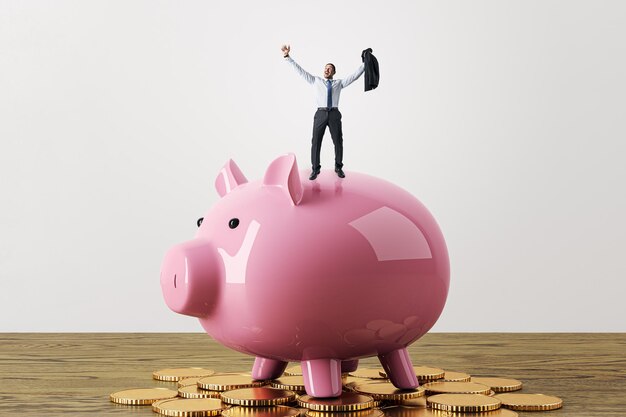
{"points": [[189, 278]]}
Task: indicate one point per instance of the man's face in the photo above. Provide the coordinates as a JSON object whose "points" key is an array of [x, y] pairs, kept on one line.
{"points": [[328, 71]]}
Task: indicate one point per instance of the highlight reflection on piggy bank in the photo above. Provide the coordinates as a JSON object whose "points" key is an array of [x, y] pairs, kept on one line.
{"points": [[322, 272]]}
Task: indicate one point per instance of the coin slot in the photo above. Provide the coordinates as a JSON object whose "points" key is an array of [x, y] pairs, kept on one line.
{"points": [[174, 280]]}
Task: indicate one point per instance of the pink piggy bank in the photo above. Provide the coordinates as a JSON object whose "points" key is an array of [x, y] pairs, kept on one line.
{"points": [[322, 272]]}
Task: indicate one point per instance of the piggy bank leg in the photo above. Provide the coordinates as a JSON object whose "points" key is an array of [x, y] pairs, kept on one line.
{"points": [[267, 368], [399, 369], [349, 366], [322, 377]]}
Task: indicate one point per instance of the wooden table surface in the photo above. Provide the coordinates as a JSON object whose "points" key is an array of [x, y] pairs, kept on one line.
{"points": [[47, 374]]}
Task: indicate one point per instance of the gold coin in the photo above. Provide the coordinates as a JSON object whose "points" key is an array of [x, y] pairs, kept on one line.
{"points": [[419, 402], [463, 403], [142, 396], [258, 397], [372, 412], [347, 401], [223, 382], [530, 402], [499, 384], [451, 376], [176, 374], [386, 391], [275, 411], [427, 373], [370, 373], [349, 382], [189, 381], [290, 382], [293, 370], [194, 407], [192, 391], [403, 411], [455, 388]]}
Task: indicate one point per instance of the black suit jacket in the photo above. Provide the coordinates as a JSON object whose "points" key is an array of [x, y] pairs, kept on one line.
{"points": [[372, 75]]}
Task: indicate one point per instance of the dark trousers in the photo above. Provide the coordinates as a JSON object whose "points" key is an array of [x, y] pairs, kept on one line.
{"points": [[332, 119]]}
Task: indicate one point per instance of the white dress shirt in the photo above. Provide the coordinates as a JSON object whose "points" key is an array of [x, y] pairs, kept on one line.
{"points": [[319, 83]]}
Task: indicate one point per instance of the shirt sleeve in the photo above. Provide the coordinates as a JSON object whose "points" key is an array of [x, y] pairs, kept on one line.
{"points": [[352, 78], [307, 77]]}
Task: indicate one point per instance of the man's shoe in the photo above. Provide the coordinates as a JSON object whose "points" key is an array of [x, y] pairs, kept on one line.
{"points": [[340, 173], [314, 174]]}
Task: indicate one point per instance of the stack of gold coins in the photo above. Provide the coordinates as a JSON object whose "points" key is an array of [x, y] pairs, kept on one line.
{"points": [[386, 391], [189, 381], [428, 373], [499, 384], [176, 374], [142, 396], [180, 407], [366, 393], [456, 388], [370, 412], [258, 397], [290, 382], [347, 401], [451, 376], [419, 402], [403, 411], [530, 402], [193, 391], [228, 381], [463, 403], [273, 411]]}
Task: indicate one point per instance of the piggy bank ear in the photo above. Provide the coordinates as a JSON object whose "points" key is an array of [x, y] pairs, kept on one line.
{"points": [[230, 176], [283, 172]]}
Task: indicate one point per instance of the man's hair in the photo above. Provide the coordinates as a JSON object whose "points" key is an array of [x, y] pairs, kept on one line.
{"points": [[333, 65]]}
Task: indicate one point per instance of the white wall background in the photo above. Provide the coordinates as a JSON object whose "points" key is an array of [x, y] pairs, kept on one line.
{"points": [[506, 118]]}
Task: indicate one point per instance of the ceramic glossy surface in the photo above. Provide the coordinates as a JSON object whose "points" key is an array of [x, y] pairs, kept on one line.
{"points": [[288, 269]]}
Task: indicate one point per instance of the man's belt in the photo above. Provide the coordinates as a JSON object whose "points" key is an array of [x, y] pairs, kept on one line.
{"points": [[327, 108]]}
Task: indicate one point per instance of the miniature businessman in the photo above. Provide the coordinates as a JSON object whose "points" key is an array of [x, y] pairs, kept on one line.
{"points": [[327, 91]]}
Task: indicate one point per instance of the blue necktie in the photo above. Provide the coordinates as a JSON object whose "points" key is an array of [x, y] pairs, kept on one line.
{"points": [[329, 100]]}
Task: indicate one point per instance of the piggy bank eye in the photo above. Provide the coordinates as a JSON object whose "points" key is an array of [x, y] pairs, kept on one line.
{"points": [[199, 221], [233, 223]]}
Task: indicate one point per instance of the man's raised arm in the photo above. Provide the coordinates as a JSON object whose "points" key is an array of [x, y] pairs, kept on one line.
{"points": [[307, 77], [352, 78]]}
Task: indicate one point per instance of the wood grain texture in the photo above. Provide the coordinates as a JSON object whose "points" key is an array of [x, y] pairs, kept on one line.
{"points": [[67, 373]]}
